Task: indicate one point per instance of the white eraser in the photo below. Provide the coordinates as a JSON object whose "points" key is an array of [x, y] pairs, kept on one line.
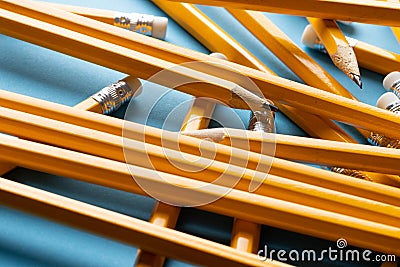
{"points": [[134, 84], [391, 79], [159, 27], [309, 37], [386, 100], [219, 55]]}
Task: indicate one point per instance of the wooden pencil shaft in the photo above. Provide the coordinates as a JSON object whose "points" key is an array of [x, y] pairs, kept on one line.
{"points": [[307, 118], [316, 151], [245, 236], [106, 54], [208, 33], [164, 215], [113, 147], [187, 144], [239, 204], [335, 43], [123, 228], [376, 59], [305, 97], [216, 39], [103, 15], [109, 146], [288, 52], [367, 11], [301, 64]]}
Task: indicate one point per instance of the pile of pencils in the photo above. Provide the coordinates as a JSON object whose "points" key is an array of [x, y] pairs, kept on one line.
{"points": [[255, 176]]}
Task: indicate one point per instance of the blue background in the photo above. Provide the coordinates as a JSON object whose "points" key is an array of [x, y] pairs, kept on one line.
{"points": [[26, 240]]}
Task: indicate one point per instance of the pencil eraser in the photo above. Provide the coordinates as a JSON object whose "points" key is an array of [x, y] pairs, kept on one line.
{"points": [[219, 55], [386, 100], [391, 79], [134, 84], [309, 37], [159, 27]]}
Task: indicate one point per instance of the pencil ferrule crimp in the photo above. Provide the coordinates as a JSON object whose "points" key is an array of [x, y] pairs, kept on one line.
{"points": [[136, 22], [351, 173], [378, 139], [113, 96], [262, 121]]}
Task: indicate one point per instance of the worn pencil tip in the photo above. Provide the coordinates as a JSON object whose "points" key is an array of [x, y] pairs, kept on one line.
{"points": [[357, 79], [272, 107]]}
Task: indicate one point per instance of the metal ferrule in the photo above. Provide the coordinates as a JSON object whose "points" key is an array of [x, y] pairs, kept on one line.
{"points": [[377, 139], [262, 121], [351, 173], [396, 88], [136, 22], [113, 96]]}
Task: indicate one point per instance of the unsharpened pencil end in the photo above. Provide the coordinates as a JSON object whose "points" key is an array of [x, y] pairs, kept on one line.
{"points": [[159, 30], [391, 79], [309, 37], [386, 100], [218, 55], [357, 79]]}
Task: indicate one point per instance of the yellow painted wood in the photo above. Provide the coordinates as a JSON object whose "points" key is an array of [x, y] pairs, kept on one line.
{"points": [[123, 228], [190, 145], [108, 146], [302, 96], [239, 204], [365, 11], [216, 39], [335, 43], [198, 117]]}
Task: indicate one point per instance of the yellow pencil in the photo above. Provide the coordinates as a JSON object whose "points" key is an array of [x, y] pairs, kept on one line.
{"points": [[118, 127], [146, 24], [123, 228], [235, 203], [336, 45], [215, 39], [316, 151], [369, 56], [367, 11], [105, 101], [198, 117], [328, 105]]}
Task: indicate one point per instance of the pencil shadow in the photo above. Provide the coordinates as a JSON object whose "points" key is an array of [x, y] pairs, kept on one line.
{"points": [[69, 76]]}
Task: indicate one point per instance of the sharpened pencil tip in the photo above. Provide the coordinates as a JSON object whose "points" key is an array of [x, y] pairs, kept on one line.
{"points": [[357, 79]]}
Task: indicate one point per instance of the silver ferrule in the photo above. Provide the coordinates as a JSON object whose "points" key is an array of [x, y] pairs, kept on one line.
{"points": [[377, 139], [352, 42], [113, 96], [262, 121], [351, 173], [136, 22]]}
